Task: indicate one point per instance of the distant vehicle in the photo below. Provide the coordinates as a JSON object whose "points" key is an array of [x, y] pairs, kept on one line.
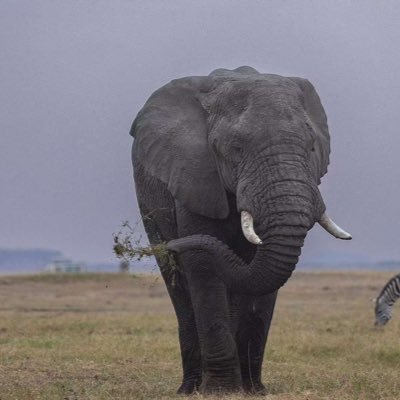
{"points": [[64, 266]]}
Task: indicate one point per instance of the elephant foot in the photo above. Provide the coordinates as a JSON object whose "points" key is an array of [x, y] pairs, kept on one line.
{"points": [[221, 368], [189, 386], [215, 385], [255, 388]]}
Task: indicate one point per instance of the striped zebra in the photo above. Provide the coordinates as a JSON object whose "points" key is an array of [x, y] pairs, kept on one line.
{"points": [[384, 302]]}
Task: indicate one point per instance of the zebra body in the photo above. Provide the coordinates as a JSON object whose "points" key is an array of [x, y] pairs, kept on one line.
{"points": [[384, 302]]}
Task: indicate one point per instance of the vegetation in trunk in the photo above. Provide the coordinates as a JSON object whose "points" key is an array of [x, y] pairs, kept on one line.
{"points": [[128, 245]]}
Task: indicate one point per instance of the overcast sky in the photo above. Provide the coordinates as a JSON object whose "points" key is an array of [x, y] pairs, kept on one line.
{"points": [[74, 74]]}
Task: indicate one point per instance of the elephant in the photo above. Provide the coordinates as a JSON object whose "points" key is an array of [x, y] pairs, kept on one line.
{"points": [[226, 168]]}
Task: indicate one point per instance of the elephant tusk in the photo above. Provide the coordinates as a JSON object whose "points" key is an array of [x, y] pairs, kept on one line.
{"points": [[247, 228], [333, 229]]}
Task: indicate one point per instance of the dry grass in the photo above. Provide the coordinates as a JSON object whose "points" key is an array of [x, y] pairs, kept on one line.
{"points": [[115, 337]]}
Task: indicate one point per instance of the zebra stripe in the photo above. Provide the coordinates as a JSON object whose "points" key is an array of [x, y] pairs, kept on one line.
{"points": [[384, 302]]}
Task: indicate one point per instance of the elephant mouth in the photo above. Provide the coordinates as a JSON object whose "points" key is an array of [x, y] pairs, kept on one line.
{"points": [[325, 221]]}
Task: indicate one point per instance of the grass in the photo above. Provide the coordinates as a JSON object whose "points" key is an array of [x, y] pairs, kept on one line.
{"points": [[115, 337]]}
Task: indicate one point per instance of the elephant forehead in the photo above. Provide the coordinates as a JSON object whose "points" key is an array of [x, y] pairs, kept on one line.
{"points": [[258, 119], [257, 97]]}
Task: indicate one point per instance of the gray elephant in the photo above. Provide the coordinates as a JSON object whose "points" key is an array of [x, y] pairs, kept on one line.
{"points": [[227, 168]]}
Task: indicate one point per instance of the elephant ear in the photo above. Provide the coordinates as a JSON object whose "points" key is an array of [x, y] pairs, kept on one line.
{"points": [[171, 144], [316, 117]]}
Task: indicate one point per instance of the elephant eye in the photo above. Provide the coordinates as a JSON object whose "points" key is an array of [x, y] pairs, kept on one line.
{"points": [[312, 145], [235, 151], [236, 148], [229, 150]]}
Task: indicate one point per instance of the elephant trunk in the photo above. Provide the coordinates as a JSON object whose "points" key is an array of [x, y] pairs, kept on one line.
{"points": [[282, 223], [285, 203], [277, 192], [271, 267], [274, 261], [290, 210]]}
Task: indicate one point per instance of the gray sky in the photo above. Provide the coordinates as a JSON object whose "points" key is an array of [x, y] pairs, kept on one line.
{"points": [[74, 73]]}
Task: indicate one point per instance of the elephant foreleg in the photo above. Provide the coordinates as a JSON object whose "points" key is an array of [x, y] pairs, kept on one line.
{"points": [[251, 339], [188, 338], [220, 362], [158, 229]]}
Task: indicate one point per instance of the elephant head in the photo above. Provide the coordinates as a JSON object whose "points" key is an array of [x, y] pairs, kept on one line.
{"points": [[264, 138]]}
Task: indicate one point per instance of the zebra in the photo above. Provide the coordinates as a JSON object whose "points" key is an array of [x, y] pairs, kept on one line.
{"points": [[384, 302]]}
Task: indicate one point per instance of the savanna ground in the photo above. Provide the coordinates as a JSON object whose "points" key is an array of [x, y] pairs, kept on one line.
{"points": [[115, 337]]}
